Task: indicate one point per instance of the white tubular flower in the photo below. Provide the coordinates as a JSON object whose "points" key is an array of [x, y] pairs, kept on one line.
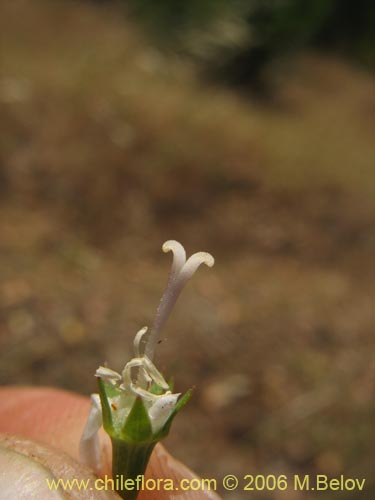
{"points": [[137, 406]]}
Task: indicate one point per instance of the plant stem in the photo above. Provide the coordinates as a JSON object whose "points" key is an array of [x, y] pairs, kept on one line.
{"points": [[129, 462]]}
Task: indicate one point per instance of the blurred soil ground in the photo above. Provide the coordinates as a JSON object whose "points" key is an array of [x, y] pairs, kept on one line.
{"points": [[108, 148]]}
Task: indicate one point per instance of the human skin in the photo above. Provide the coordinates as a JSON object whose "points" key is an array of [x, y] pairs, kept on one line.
{"points": [[56, 418]]}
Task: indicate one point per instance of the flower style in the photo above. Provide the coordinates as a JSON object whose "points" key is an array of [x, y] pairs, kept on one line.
{"points": [[137, 406]]}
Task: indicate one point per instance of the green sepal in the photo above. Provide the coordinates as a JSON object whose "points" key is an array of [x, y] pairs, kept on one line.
{"points": [[106, 391], [182, 401], [137, 427]]}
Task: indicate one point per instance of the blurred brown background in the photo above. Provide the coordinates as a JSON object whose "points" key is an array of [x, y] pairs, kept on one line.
{"points": [[111, 144]]}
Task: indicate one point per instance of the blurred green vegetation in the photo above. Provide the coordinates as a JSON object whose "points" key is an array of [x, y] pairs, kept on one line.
{"points": [[168, 18], [260, 31]]}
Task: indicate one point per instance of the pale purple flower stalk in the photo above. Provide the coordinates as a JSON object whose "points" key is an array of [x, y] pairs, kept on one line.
{"points": [[182, 270]]}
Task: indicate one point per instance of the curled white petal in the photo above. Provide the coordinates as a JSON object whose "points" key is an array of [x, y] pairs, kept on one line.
{"points": [[138, 339], [192, 264], [179, 256], [107, 374], [147, 372], [157, 377], [89, 446], [142, 378], [161, 410], [146, 395]]}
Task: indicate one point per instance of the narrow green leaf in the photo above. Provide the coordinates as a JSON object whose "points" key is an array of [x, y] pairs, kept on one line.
{"points": [[106, 409], [182, 401]]}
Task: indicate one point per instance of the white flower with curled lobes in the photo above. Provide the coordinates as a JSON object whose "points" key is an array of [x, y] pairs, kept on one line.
{"points": [[138, 405], [182, 270]]}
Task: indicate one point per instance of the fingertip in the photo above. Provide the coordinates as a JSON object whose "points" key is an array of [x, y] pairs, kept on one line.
{"points": [[57, 417]]}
